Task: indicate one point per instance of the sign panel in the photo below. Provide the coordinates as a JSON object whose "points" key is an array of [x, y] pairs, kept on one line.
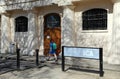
{"points": [[82, 52]]}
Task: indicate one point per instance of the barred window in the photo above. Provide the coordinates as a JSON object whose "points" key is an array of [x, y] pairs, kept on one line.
{"points": [[94, 19], [52, 20], [21, 24]]}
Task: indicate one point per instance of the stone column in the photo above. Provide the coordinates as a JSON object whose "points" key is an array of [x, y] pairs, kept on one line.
{"points": [[5, 33], [115, 49], [68, 27], [41, 33], [36, 28], [30, 39]]}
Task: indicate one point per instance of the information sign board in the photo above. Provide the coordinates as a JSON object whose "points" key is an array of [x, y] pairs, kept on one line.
{"points": [[82, 52]]}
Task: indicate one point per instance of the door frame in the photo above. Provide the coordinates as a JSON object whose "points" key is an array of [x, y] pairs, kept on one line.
{"points": [[45, 27]]}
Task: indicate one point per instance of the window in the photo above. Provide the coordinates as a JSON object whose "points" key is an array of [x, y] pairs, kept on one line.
{"points": [[52, 20], [21, 24], [94, 19]]}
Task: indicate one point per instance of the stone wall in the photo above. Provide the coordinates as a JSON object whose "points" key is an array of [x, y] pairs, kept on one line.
{"points": [[73, 35], [27, 41], [0, 33], [115, 49], [71, 25], [5, 33], [33, 38]]}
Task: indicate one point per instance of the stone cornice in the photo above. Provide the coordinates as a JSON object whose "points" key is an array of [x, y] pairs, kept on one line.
{"points": [[30, 4], [114, 1], [94, 0]]}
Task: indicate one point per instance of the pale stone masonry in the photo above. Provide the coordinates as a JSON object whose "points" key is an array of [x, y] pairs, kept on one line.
{"points": [[72, 33]]}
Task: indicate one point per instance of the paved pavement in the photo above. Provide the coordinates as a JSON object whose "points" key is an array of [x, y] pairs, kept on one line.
{"points": [[53, 71]]}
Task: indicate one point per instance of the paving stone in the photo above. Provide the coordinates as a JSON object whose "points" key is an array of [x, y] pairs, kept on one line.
{"points": [[51, 70]]}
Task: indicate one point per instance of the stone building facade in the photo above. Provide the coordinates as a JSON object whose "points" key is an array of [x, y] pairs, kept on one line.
{"points": [[82, 23]]}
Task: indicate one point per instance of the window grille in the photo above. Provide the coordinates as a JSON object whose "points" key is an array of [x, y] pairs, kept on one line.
{"points": [[94, 19], [21, 24]]}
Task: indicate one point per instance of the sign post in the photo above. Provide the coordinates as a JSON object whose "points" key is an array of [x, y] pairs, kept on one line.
{"points": [[37, 57], [83, 52], [18, 58], [101, 62], [63, 59]]}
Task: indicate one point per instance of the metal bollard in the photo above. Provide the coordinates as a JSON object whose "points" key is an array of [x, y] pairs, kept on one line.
{"points": [[18, 58], [101, 62], [37, 57], [63, 59]]}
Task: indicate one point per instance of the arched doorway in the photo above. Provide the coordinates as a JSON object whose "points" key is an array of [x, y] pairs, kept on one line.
{"points": [[52, 31]]}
